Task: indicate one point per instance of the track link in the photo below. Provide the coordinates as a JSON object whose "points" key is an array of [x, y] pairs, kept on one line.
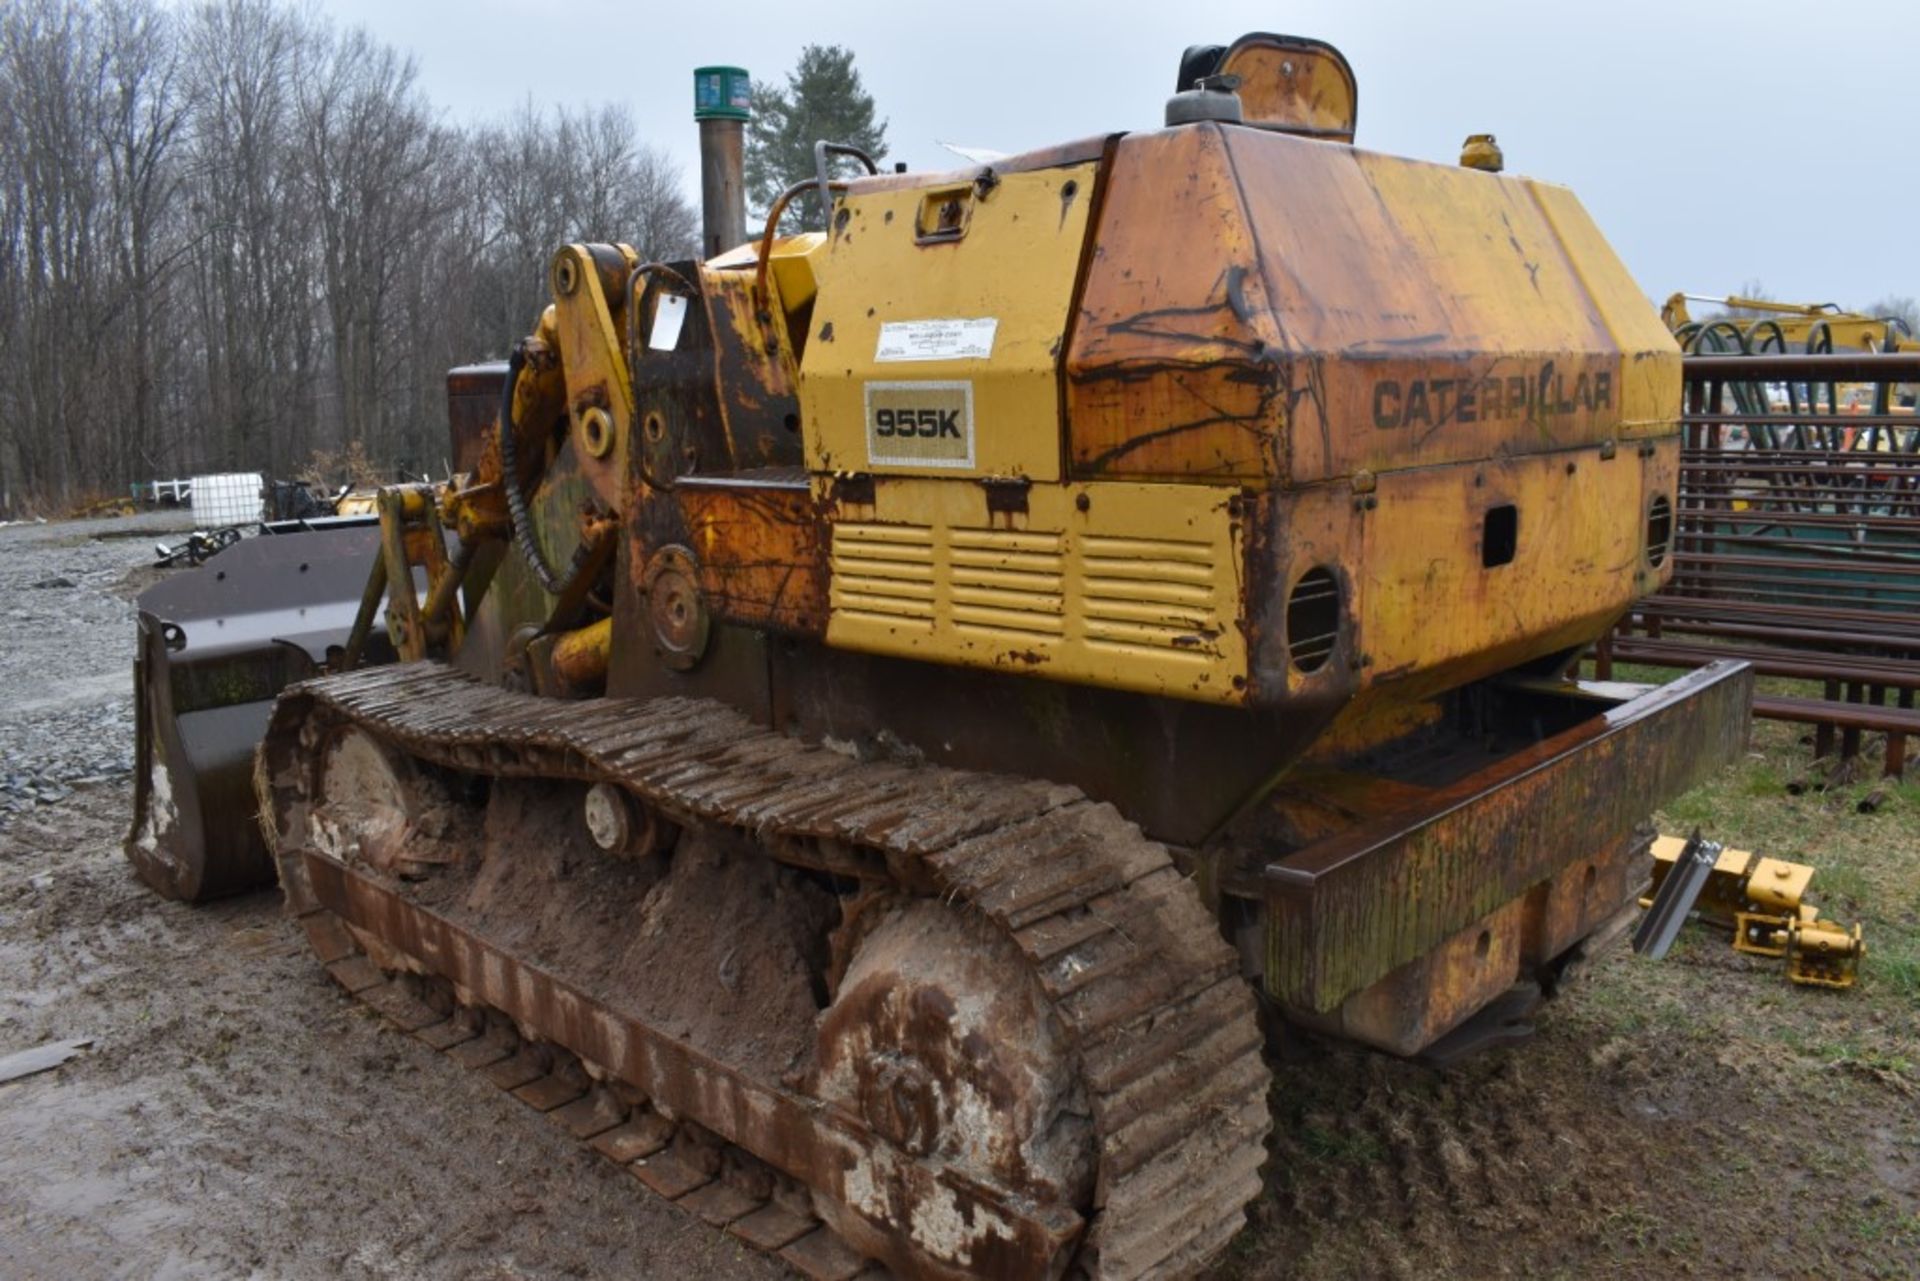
{"points": [[1161, 1025], [718, 1182]]}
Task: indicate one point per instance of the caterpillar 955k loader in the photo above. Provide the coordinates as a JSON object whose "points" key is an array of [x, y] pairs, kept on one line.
{"points": [[901, 700]]}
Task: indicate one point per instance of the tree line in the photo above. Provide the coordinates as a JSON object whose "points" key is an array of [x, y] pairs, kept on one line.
{"points": [[233, 235]]}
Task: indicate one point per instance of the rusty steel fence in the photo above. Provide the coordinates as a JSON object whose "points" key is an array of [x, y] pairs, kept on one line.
{"points": [[1796, 545]]}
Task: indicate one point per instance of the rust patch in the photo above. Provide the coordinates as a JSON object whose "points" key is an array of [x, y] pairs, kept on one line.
{"points": [[1340, 916], [473, 413], [760, 550], [755, 372], [1006, 496], [1175, 367]]}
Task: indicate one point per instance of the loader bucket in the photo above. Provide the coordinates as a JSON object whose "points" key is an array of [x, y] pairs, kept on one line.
{"points": [[216, 645]]}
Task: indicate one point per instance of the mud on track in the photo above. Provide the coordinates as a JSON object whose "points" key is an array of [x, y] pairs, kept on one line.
{"points": [[237, 1116]]}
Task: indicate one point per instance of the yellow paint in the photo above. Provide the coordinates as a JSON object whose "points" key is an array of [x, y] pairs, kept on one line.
{"points": [[1649, 393], [595, 364], [1014, 262], [1428, 614], [1139, 591], [1797, 322], [580, 656], [1339, 311], [1273, 359], [1761, 900], [1289, 83], [790, 264]]}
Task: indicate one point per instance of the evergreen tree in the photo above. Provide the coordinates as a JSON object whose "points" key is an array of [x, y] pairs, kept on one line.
{"points": [[822, 100]]}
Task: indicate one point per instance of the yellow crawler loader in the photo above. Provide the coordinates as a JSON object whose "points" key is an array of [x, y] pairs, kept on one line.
{"points": [[897, 716]]}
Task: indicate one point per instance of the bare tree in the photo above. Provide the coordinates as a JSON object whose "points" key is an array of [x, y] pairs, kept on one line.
{"points": [[52, 170], [141, 113], [367, 146], [621, 190], [232, 235], [562, 178], [249, 238]]}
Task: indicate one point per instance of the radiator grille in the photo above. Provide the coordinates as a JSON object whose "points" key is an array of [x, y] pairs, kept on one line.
{"points": [[884, 574], [1121, 595], [1007, 584], [1118, 585], [1139, 593]]}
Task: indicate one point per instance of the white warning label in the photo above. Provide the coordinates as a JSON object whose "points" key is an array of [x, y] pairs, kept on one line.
{"points": [[936, 339]]}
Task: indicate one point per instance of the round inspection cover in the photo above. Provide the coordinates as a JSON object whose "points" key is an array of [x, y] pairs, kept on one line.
{"points": [[675, 607]]}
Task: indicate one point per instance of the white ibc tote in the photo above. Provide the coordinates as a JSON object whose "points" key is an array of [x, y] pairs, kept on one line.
{"points": [[230, 499]]}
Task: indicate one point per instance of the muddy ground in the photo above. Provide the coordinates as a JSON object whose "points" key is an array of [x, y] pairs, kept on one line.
{"points": [[236, 1116]]}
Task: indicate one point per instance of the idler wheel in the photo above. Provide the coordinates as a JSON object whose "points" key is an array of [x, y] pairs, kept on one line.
{"points": [[621, 825], [939, 1042]]}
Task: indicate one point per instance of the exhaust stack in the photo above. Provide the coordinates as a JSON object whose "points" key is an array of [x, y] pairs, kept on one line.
{"points": [[722, 103]]}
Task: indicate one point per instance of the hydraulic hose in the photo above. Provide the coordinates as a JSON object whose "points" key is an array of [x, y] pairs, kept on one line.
{"points": [[510, 478]]}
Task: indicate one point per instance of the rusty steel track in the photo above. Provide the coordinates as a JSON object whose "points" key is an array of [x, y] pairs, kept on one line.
{"points": [[1159, 1027]]}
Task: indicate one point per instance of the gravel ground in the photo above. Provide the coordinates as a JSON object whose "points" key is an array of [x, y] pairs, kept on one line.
{"points": [[66, 705]]}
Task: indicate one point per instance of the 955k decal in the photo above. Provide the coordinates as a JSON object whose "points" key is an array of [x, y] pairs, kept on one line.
{"points": [[920, 424]]}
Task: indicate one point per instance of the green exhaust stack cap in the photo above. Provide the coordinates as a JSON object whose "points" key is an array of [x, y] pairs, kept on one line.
{"points": [[722, 93]]}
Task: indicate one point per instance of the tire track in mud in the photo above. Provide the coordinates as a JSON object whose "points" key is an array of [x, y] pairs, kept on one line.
{"points": [[1439, 1171], [1618, 1141]]}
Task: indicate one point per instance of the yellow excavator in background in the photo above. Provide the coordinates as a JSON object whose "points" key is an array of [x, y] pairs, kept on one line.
{"points": [[1787, 326], [1800, 328]]}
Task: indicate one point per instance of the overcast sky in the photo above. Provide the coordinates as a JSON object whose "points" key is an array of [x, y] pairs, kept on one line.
{"points": [[1770, 140]]}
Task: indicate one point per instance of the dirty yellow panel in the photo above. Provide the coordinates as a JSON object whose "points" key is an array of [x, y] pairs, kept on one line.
{"points": [[596, 373], [1650, 370], [1431, 611], [1139, 588], [753, 373], [1172, 370], [1261, 307], [790, 266], [970, 289], [1441, 311]]}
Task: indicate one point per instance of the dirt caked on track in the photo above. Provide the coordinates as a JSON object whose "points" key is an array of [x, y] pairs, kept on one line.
{"points": [[1166, 1096], [239, 1115]]}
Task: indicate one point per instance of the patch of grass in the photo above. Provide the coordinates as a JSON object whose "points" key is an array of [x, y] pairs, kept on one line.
{"points": [[1849, 1053], [1844, 881], [1630, 1225], [1341, 1149], [1882, 1224], [1893, 962], [1698, 808], [1641, 673]]}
